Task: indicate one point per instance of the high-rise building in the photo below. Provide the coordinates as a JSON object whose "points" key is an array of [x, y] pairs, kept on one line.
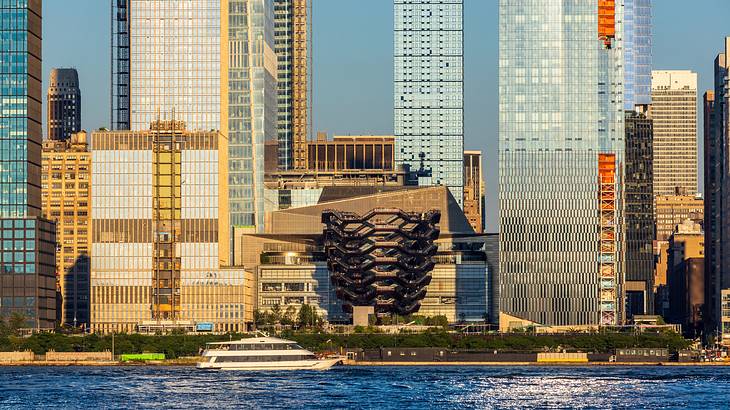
{"points": [[429, 89], [67, 201], [209, 63], [674, 112], [474, 190], [637, 53], [639, 213], [717, 192], [672, 210], [27, 270], [160, 233], [64, 104], [252, 107], [561, 160], [291, 33]]}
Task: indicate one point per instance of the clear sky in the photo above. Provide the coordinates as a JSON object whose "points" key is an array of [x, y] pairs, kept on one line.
{"points": [[353, 53]]}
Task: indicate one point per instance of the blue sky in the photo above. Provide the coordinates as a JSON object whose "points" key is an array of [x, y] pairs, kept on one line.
{"points": [[353, 68]]}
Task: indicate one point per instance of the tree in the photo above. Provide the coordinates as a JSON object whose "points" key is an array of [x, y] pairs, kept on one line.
{"points": [[289, 316], [308, 316], [276, 314], [17, 321]]}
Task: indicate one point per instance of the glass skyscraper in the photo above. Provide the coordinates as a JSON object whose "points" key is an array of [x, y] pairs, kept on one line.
{"points": [[252, 106], [637, 53], [175, 65], [27, 266], [210, 64], [429, 89], [561, 148], [20, 118]]}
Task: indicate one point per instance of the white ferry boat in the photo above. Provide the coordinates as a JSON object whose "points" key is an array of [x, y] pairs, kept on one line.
{"points": [[262, 353]]}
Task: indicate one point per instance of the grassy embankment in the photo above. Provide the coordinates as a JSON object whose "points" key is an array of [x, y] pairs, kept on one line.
{"points": [[180, 345]]}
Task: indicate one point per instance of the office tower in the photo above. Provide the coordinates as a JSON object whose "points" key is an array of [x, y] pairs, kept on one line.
{"points": [[672, 210], [66, 201], [159, 233], [217, 71], [639, 214], [474, 190], [674, 111], [291, 33], [685, 278], [717, 192], [252, 107], [64, 104], [637, 53], [429, 89], [561, 160], [27, 270], [168, 61]]}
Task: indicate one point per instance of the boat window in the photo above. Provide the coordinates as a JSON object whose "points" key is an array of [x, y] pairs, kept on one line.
{"points": [[268, 358]]}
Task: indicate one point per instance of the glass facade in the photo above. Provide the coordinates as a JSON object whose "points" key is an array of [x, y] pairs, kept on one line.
{"points": [[20, 98], [639, 214], [252, 106], [560, 119], [429, 89], [158, 240], [175, 50], [637, 53]]}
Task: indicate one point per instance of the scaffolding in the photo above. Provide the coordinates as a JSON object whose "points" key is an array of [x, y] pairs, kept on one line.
{"points": [[608, 260], [166, 163], [606, 22]]}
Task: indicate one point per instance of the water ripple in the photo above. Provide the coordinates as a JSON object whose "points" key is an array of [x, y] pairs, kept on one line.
{"points": [[366, 388]]}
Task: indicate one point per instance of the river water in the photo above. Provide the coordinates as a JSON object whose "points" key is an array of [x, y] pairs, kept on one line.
{"points": [[595, 387]]}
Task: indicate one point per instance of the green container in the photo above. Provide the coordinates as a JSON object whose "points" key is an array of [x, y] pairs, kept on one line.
{"points": [[142, 357]]}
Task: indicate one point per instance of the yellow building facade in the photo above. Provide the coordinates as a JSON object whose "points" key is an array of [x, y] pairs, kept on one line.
{"points": [[161, 233], [66, 192]]}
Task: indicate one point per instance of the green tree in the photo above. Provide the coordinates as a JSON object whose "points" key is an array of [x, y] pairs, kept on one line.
{"points": [[289, 316], [276, 314]]}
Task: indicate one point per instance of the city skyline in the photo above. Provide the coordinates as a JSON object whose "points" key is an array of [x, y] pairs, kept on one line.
{"points": [[367, 29]]}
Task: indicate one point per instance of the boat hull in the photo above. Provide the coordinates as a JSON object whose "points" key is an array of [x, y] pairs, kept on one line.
{"points": [[283, 365]]}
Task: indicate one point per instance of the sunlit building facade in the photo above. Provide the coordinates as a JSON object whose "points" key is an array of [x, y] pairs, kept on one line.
{"points": [[474, 190], [429, 89], [561, 156], [67, 201], [252, 106], [292, 31], [160, 233], [674, 113], [27, 268], [210, 64]]}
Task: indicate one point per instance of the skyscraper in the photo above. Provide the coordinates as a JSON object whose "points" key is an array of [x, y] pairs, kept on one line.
{"points": [[639, 211], [209, 63], [67, 201], [27, 270], [64, 104], [561, 159], [674, 113], [291, 32], [637, 53], [429, 89], [252, 107], [717, 193]]}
